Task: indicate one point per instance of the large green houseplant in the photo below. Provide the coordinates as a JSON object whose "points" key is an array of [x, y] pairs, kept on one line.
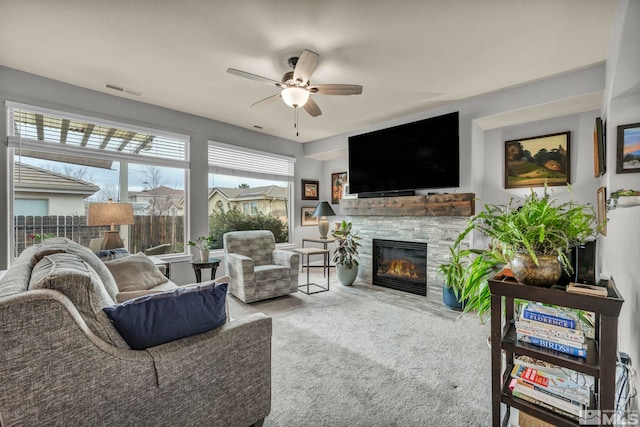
{"points": [[345, 256], [466, 275], [538, 231]]}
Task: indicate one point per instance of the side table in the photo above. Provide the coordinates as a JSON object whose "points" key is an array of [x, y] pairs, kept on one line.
{"points": [[314, 251], [163, 265], [211, 263], [324, 242]]}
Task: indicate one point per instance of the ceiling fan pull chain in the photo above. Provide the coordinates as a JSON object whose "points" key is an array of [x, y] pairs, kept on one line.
{"points": [[296, 123]]}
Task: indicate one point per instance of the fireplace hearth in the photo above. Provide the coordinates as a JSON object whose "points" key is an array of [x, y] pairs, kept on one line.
{"points": [[400, 265]]}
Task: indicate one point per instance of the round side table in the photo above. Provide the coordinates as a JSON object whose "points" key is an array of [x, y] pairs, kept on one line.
{"points": [[211, 263]]}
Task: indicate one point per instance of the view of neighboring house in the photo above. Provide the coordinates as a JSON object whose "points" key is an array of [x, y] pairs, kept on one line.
{"points": [[41, 192], [269, 200], [160, 200]]}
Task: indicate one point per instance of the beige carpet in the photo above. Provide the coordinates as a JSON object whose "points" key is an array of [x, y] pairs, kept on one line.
{"points": [[367, 356]]}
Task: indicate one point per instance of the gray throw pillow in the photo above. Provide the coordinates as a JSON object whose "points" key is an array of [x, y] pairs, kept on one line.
{"points": [[73, 277], [135, 273]]}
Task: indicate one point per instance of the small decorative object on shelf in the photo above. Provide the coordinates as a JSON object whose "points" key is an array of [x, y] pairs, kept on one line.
{"points": [[623, 198], [204, 243]]}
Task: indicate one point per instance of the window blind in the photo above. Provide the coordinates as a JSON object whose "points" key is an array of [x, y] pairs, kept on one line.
{"points": [[225, 159], [40, 129]]}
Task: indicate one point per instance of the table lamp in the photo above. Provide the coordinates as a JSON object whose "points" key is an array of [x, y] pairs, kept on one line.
{"points": [[110, 214], [322, 211]]}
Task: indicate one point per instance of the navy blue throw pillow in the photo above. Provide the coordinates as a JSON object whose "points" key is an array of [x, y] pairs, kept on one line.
{"points": [[155, 319]]}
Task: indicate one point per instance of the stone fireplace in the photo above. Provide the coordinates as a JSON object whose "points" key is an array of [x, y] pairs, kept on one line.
{"points": [[434, 220]]}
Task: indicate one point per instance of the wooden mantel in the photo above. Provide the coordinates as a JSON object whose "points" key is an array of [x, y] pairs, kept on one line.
{"points": [[462, 204]]}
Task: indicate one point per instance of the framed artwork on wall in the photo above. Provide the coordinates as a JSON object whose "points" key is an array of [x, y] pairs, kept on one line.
{"points": [[310, 190], [338, 181], [530, 162], [599, 151], [307, 218], [602, 210], [628, 158]]}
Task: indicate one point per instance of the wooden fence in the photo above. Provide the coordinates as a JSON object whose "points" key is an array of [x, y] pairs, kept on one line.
{"points": [[147, 231]]}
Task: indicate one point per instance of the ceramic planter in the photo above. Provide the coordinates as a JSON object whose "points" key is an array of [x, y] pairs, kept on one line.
{"points": [[546, 274], [449, 299], [346, 275], [204, 254], [625, 201]]}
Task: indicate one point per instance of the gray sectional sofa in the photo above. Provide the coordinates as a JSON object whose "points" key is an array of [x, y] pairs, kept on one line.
{"points": [[63, 364]]}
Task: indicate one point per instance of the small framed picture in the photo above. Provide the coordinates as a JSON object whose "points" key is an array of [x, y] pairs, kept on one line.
{"points": [[307, 218], [530, 162], [338, 181], [628, 159], [602, 210], [310, 190]]}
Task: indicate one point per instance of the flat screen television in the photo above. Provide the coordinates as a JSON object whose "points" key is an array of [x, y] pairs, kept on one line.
{"points": [[417, 155]]}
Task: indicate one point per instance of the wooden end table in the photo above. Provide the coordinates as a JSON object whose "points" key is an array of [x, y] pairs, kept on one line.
{"points": [[211, 263]]}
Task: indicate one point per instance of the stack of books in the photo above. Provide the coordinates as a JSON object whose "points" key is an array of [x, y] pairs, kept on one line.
{"points": [[551, 327], [560, 390]]}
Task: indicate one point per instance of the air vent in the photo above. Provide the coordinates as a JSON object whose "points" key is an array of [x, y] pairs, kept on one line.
{"points": [[121, 89]]}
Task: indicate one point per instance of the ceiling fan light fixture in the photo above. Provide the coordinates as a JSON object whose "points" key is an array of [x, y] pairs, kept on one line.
{"points": [[295, 96]]}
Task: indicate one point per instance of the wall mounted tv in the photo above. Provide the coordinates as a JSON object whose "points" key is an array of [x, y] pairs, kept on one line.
{"points": [[417, 155]]}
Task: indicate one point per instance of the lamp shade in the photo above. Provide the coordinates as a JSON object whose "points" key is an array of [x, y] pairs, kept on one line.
{"points": [[110, 214], [323, 209], [295, 96]]}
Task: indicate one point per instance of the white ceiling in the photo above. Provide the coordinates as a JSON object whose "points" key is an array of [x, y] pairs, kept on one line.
{"points": [[410, 55]]}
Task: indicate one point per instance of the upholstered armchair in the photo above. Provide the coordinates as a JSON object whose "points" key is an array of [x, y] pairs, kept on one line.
{"points": [[257, 269]]}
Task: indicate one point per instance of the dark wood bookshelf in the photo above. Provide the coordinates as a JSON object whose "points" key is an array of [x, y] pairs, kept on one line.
{"points": [[601, 351]]}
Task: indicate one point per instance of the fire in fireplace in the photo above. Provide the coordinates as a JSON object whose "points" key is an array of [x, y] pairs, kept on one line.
{"points": [[400, 265]]}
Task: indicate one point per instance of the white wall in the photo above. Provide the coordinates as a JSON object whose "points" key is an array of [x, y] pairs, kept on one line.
{"points": [[620, 248]]}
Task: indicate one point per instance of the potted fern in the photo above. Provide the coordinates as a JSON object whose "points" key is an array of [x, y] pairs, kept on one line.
{"points": [[345, 256], [538, 231]]}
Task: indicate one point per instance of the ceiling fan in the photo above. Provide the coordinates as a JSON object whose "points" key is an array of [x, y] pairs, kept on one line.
{"points": [[296, 85]]}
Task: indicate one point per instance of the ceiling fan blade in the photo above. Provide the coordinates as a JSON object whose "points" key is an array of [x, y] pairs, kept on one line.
{"points": [[312, 108], [330, 89], [307, 62], [255, 77], [266, 101]]}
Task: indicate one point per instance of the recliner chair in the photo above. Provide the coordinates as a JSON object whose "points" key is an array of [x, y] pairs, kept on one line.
{"points": [[257, 269]]}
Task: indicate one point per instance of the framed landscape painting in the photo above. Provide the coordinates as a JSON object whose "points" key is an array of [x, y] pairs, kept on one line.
{"points": [[530, 162], [628, 159], [338, 180], [310, 190], [307, 217]]}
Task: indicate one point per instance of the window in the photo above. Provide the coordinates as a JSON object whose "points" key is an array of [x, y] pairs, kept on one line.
{"points": [[69, 161], [31, 207], [249, 189]]}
